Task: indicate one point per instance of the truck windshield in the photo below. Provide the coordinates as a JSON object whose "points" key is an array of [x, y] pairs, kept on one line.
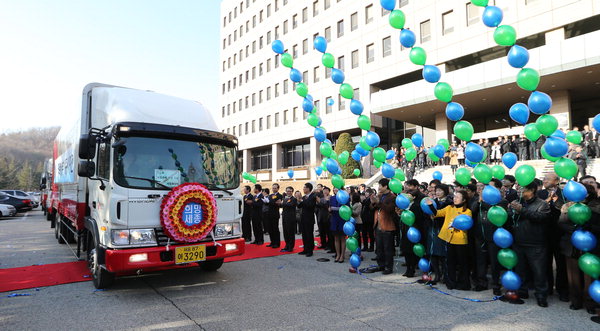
{"points": [[153, 163]]}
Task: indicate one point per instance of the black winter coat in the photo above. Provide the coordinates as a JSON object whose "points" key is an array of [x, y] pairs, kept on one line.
{"points": [[531, 224]]}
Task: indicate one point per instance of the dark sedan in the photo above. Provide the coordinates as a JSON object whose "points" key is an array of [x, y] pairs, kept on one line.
{"points": [[20, 204]]}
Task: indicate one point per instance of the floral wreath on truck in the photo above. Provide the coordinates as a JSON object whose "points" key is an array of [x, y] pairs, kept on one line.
{"points": [[188, 213]]}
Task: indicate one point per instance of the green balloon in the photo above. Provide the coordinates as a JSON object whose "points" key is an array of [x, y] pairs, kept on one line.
{"points": [[287, 60], [565, 168], [525, 174], [355, 235], [352, 244], [356, 172], [505, 35], [444, 142], [463, 176], [379, 154], [485, 155], [546, 124], [328, 60], [407, 143], [463, 130], [364, 145], [408, 217], [497, 215], [346, 91], [395, 186], [325, 149], [397, 19], [400, 175], [590, 265], [528, 79], [480, 3], [345, 212], [418, 56], [547, 156], [410, 154], [483, 173], [498, 172], [343, 157], [313, 119], [432, 155], [579, 213], [333, 155], [531, 132], [443, 92], [507, 258], [419, 250], [364, 122], [302, 89], [337, 181], [377, 164], [574, 137]]}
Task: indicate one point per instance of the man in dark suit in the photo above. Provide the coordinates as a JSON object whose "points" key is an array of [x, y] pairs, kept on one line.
{"points": [[505, 145], [247, 215], [257, 206], [307, 219], [509, 193], [523, 147], [274, 203], [288, 216]]}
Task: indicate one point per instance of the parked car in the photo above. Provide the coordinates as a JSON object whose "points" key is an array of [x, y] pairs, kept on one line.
{"points": [[23, 195], [7, 210], [21, 204]]}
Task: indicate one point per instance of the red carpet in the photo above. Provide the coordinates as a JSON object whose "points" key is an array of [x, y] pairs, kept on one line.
{"points": [[13, 279]]}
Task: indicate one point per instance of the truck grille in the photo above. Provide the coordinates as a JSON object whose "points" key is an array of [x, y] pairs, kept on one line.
{"points": [[163, 239]]}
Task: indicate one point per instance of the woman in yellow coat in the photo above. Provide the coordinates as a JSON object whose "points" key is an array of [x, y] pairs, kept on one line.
{"points": [[456, 242]]}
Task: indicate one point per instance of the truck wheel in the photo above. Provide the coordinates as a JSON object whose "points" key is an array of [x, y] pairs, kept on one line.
{"points": [[212, 265], [101, 277]]}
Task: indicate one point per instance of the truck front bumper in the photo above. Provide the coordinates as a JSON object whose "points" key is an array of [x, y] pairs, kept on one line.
{"points": [[123, 261]]}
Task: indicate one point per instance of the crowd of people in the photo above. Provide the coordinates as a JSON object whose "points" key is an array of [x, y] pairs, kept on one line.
{"points": [[463, 260]]}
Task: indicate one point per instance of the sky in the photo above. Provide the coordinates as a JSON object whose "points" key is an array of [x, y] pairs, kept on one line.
{"points": [[50, 49]]}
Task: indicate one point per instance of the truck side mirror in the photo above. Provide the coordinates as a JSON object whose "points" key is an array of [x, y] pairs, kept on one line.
{"points": [[86, 169], [87, 146]]}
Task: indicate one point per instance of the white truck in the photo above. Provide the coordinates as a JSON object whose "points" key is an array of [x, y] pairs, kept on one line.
{"points": [[116, 170]]}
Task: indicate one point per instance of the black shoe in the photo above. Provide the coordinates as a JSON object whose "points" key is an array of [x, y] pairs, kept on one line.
{"points": [[269, 245], [387, 271], [374, 259], [409, 273], [308, 254], [449, 287], [276, 246], [480, 288], [563, 298], [542, 303], [248, 240], [370, 249], [497, 292], [285, 250], [573, 307], [302, 253], [591, 311], [524, 295], [372, 270]]}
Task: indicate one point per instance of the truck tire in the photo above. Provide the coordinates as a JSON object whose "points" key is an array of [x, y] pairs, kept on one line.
{"points": [[100, 276], [212, 265]]}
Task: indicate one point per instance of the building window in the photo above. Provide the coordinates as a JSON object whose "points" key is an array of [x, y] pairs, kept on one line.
{"points": [[328, 34], [268, 122], [253, 126], [276, 5], [341, 102], [341, 63], [370, 53], [295, 114], [269, 93], [285, 86], [304, 15], [268, 65], [268, 37], [254, 21], [304, 46], [315, 8], [340, 28], [269, 10], [295, 21], [261, 159], [529, 2], [285, 117], [384, 11], [327, 4], [260, 42], [254, 47], [277, 32], [260, 16], [328, 107], [354, 59], [357, 93], [386, 44], [447, 22], [305, 76], [260, 124], [260, 69], [295, 51], [425, 31], [368, 14], [223, 111], [318, 106], [472, 14], [234, 130], [246, 128], [276, 119], [276, 90], [402, 3], [353, 21], [285, 27], [260, 96], [253, 99], [327, 72], [296, 155], [240, 129]]}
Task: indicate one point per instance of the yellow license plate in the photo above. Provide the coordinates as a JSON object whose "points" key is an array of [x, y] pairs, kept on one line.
{"points": [[187, 254]]}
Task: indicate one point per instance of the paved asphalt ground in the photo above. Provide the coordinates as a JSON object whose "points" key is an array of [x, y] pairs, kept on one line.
{"points": [[290, 292]]}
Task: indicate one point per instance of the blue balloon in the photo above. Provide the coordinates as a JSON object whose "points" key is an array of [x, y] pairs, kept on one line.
{"points": [[426, 208], [462, 222], [491, 195], [320, 134], [310, 97], [455, 111], [388, 4], [290, 173], [387, 170], [594, 290], [559, 134], [556, 147], [503, 238], [519, 112], [330, 102], [332, 166], [424, 264], [413, 234], [539, 102], [372, 139], [318, 171], [574, 191], [363, 152], [439, 151], [337, 76], [583, 240], [470, 164], [307, 105], [320, 44], [511, 281], [352, 220], [509, 159], [596, 122], [390, 154], [492, 16], [277, 47], [417, 138], [342, 197], [355, 156], [295, 75], [356, 107], [407, 38], [431, 73], [518, 56], [437, 175], [402, 201], [349, 228], [355, 261], [474, 152]]}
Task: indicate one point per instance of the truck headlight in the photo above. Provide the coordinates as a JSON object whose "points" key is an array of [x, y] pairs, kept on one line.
{"points": [[133, 237], [227, 229], [120, 237]]}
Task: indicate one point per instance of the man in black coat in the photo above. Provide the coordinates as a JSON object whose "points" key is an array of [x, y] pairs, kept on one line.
{"points": [[523, 147], [247, 215], [581, 159], [307, 219], [505, 145], [273, 225], [531, 216], [257, 215], [509, 193], [406, 245], [288, 217]]}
